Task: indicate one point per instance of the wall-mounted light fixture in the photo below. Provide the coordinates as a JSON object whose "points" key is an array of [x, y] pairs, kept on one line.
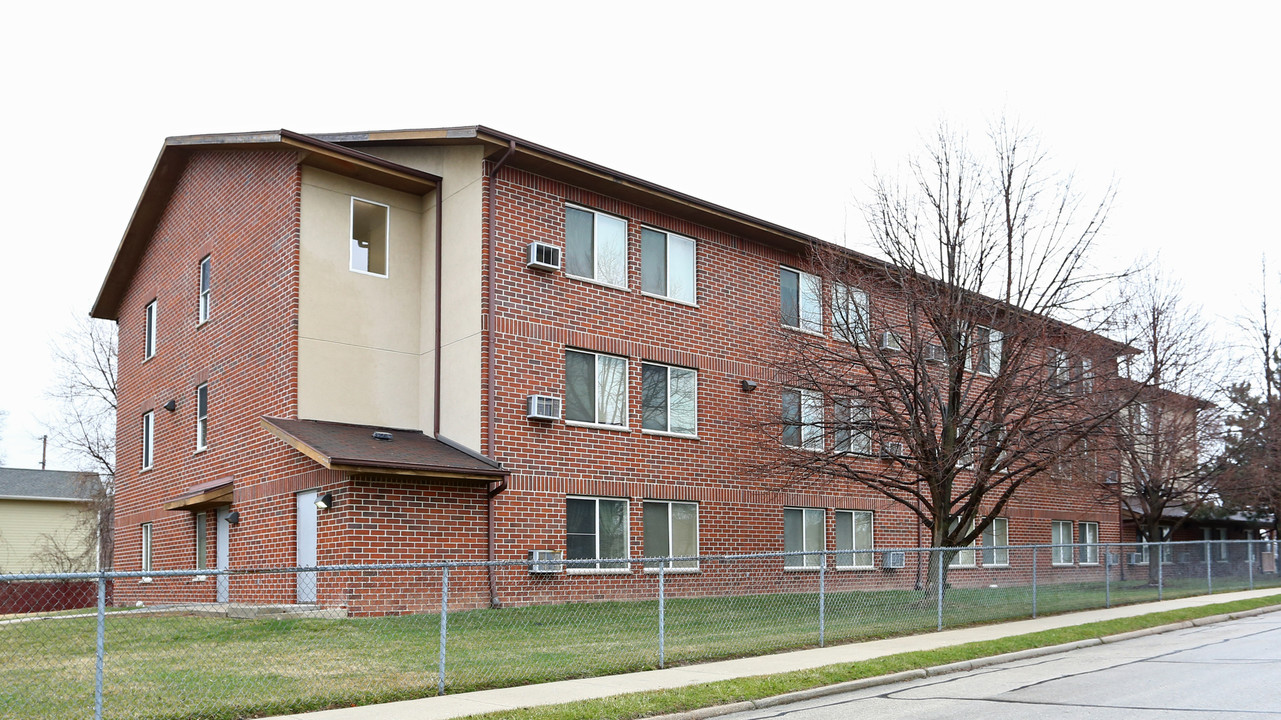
{"points": [[324, 502], [171, 405], [233, 517], [749, 385]]}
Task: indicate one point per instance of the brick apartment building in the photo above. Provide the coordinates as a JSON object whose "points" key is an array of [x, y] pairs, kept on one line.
{"points": [[361, 319]]}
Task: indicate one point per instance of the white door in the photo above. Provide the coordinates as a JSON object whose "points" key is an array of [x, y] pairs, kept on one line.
{"points": [[222, 551], [306, 546]]}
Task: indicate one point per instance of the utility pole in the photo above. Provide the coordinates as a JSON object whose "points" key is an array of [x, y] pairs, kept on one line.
{"points": [[44, 449]]}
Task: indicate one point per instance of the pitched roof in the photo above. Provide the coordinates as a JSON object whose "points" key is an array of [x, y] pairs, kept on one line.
{"points": [[18, 483], [340, 446]]}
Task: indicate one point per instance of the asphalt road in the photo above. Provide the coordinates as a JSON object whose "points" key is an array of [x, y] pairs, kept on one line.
{"points": [[1226, 670]]}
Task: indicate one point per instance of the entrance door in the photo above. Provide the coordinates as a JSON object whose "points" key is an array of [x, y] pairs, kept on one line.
{"points": [[306, 590], [222, 548]]}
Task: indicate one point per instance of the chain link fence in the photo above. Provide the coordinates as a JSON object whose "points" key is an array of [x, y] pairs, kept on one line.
{"points": [[160, 645]]}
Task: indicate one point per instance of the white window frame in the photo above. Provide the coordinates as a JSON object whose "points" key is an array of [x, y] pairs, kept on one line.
{"points": [[596, 568], [150, 313], [1088, 537], [1062, 556], [351, 238], [596, 216], [851, 304], [809, 301], [1223, 546], [851, 418], [675, 565], [990, 343], [860, 558], [667, 405], [202, 541], [1059, 366], [205, 293], [147, 547], [202, 416], [667, 292], [1087, 376], [805, 562], [148, 439], [1000, 556], [965, 557], [625, 400], [810, 423]]}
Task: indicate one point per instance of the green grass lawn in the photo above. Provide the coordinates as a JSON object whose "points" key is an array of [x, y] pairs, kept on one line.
{"points": [[161, 666]]}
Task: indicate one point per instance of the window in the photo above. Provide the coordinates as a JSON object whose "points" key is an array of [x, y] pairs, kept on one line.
{"points": [[202, 416], [802, 300], [1087, 375], [146, 547], [206, 282], [802, 419], [148, 438], [852, 431], [1089, 538], [669, 399], [202, 555], [1223, 544], [596, 246], [671, 530], [596, 528], [853, 539], [595, 388], [1145, 550], [965, 556], [667, 265], [369, 237], [996, 534], [149, 332], [1061, 535], [803, 531], [851, 316], [1057, 363], [988, 342]]}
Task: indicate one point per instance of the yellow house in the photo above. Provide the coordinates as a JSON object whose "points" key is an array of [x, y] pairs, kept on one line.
{"points": [[46, 521]]}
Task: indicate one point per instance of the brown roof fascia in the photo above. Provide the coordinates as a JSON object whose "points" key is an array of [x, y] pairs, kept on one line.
{"points": [[173, 159]]}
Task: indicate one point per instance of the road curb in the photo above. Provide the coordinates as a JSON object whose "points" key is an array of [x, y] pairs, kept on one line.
{"points": [[962, 666]]}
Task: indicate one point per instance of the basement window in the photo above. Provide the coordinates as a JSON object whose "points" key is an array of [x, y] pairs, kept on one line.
{"points": [[369, 237]]}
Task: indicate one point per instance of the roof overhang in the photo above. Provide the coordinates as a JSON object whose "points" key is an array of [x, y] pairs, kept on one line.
{"points": [[172, 160], [205, 496], [356, 449]]}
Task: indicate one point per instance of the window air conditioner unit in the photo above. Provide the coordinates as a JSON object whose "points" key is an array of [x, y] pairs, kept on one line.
{"points": [[543, 256], [545, 562], [1136, 558], [891, 449], [889, 341], [543, 407], [1112, 559], [1185, 558], [893, 560], [1110, 478], [934, 353]]}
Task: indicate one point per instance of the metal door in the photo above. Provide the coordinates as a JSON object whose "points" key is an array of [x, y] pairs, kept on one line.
{"points": [[306, 582], [222, 551]]}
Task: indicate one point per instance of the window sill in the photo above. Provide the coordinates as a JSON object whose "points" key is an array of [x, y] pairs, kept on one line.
{"points": [[598, 571], [598, 426], [807, 331], [200, 450], [1062, 565], [665, 433], [146, 469], [599, 283], [855, 568], [807, 568], [970, 566], [1088, 564], [673, 300], [199, 578], [203, 323], [367, 273], [996, 566], [144, 581], [674, 571]]}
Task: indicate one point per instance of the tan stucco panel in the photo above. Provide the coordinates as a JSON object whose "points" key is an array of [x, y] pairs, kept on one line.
{"points": [[377, 387], [28, 526]]}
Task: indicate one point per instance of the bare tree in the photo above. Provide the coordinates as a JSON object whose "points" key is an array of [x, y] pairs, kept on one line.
{"points": [[963, 368], [1169, 439], [84, 422]]}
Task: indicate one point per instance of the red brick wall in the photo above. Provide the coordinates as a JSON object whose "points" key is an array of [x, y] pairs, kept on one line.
{"points": [[241, 207]]}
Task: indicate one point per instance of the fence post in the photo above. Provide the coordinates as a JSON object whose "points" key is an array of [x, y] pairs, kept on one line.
{"points": [[1033, 581], [662, 614], [1249, 556], [939, 586], [100, 653], [1160, 571], [444, 625], [1209, 572], [1107, 576], [822, 587]]}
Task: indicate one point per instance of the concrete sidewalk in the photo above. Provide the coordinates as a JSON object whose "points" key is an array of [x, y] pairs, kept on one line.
{"points": [[485, 701]]}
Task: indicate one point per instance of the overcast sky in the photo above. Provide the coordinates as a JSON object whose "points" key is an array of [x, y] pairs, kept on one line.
{"points": [[779, 110]]}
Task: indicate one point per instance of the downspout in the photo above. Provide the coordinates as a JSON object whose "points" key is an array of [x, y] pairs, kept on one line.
{"points": [[440, 281], [491, 317]]}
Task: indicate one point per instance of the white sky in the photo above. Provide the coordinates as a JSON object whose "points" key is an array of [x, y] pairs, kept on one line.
{"points": [[779, 110]]}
